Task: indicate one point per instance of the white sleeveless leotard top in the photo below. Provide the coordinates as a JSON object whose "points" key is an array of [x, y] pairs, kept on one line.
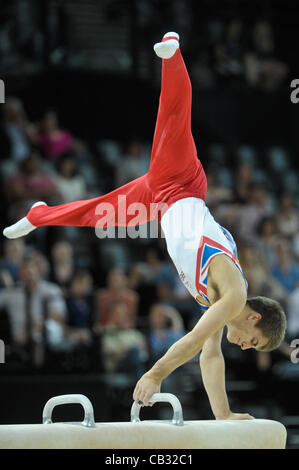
{"points": [[193, 239]]}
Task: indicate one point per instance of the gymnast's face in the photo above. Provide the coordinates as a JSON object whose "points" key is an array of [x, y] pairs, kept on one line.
{"points": [[245, 333]]}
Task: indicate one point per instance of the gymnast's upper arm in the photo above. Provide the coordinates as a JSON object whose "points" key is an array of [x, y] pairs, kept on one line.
{"points": [[227, 279], [230, 285]]}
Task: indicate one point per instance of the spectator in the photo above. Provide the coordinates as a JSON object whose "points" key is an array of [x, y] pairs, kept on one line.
{"points": [[6, 279], [116, 290], [145, 272], [41, 261], [14, 251], [142, 278], [295, 247], [17, 134], [216, 194], [285, 270], [134, 164], [258, 276], [165, 328], [70, 185], [36, 312], [52, 140], [287, 218], [172, 291], [124, 347], [263, 70], [292, 314], [227, 212], [62, 264], [30, 183], [229, 54], [252, 212], [80, 308], [267, 239], [243, 180]]}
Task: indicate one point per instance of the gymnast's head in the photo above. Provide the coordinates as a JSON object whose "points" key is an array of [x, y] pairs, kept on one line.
{"points": [[261, 325]]}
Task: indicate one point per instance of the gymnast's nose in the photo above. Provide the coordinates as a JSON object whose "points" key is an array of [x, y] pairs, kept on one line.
{"points": [[244, 346]]}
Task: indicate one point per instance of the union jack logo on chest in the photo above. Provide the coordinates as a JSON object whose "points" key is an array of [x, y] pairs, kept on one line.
{"points": [[207, 250]]}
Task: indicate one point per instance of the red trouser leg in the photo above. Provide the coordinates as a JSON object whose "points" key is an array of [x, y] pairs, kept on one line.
{"points": [[88, 213], [174, 156]]}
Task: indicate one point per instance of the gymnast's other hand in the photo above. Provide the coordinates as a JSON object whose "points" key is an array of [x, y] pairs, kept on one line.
{"points": [[232, 415], [145, 388]]}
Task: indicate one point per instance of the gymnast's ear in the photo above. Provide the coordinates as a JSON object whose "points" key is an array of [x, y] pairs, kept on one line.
{"points": [[254, 316]]}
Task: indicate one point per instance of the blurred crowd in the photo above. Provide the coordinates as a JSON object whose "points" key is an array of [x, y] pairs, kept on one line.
{"points": [[55, 314], [240, 54], [225, 44], [60, 312]]}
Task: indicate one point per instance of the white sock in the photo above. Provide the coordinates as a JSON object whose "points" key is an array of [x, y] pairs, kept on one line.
{"points": [[166, 49], [22, 227]]}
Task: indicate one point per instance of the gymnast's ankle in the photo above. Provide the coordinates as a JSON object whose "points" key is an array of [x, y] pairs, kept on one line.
{"points": [[168, 46], [23, 227]]}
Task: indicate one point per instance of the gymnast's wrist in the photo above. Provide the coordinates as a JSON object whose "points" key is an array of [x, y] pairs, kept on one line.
{"points": [[223, 415], [157, 372]]}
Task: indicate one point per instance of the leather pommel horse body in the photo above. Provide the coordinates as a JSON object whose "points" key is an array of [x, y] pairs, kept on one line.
{"points": [[136, 434]]}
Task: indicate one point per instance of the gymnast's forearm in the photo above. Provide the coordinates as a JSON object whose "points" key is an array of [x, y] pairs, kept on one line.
{"points": [[191, 344], [213, 376], [179, 353]]}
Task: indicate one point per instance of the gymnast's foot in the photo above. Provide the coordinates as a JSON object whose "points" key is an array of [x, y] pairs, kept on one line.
{"points": [[22, 227], [168, 46]]}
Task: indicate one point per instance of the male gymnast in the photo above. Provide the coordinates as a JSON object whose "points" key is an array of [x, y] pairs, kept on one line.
{"points": [[204, 254]]}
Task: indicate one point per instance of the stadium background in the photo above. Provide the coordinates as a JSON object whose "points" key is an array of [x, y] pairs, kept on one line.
{"points": [[84, 315]]}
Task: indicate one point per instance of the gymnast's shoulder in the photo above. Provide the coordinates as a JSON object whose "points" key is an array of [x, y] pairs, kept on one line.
{"points": [[226, 279]]}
